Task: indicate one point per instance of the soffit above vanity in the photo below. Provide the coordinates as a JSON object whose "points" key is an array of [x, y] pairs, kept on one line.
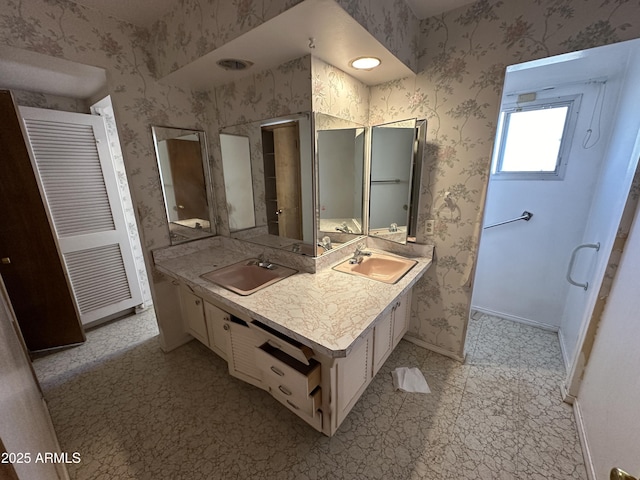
{"points": [[337, 37]]}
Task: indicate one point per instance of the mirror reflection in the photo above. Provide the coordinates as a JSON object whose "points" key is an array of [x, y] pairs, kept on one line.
{"points": [[393, 193], [340, 154], [184, 174], [281, 183], [236, 167]]}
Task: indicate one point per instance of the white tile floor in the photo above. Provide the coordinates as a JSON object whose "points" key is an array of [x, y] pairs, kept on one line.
{"points": [[134, 412]]}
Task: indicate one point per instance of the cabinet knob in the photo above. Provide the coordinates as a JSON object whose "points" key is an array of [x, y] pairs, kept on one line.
{"points": [[198, 302], [226, 326]]}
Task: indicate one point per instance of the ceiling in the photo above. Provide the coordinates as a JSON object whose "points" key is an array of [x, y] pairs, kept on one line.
{"points": [[145, 12], [337, 40]]}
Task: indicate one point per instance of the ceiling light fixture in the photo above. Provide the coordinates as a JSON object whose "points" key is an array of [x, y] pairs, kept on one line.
{"points": [[365, 63]]}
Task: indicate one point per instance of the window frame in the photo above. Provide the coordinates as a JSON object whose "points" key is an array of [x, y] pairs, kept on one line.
{"points": [[573, 104]]}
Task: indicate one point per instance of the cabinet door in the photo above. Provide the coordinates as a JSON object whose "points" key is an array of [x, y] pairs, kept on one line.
{"points": [[353, 374], [401, 316], [216, 320], [382, 340], [241, 346], [193, 314]]}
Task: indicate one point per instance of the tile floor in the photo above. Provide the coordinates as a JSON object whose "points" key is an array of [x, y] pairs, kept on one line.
{"points": [[134, 412]]}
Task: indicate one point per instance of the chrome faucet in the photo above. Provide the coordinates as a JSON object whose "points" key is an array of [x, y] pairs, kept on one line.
{"points": [[262, 262], [359, 254], [344, 228], [325, 243]]}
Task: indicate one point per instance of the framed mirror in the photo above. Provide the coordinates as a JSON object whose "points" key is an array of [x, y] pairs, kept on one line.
{"points": [[395, 172], [340, 163], [184, 173], [281, 183]]}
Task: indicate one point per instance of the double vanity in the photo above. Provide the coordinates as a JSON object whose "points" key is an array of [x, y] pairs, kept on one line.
{"points": [[312, 332]]}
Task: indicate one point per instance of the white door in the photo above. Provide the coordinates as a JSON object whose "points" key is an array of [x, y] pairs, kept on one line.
{"points": [[608, 397], [74, 166]]}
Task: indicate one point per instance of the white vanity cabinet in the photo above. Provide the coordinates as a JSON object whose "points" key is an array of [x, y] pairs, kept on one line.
{"points": [[351, 375], [216, 319], [242, 343], [193, 314], [401, 317], [319, 389], [390, 330]]}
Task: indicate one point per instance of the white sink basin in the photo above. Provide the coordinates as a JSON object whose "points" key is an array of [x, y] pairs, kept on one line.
{"points": [[379, 266]]}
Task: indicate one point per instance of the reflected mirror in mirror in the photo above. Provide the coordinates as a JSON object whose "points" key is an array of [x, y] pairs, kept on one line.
{"points": [[184, 174], [281, 182], [236, 166], [393, 197], [340, 162]]}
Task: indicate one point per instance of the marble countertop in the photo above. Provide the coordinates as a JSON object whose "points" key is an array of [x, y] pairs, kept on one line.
{"points": [[328, 311]]}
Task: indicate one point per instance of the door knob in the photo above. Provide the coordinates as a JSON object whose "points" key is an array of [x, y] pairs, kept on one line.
{"points": [[617, 474], [6, 260]]}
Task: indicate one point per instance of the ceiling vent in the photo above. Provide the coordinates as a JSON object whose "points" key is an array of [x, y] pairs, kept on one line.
{"points": [[234, 64]]}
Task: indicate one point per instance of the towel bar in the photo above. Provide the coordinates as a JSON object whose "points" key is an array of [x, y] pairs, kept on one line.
{"points": [[526, 216]]}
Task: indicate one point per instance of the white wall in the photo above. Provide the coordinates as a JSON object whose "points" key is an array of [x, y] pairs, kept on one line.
{"points": [[522, 265], [608, 397], [609, 197], [25, 425]]}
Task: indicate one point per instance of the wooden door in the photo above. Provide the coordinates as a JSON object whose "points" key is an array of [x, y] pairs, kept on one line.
{"points": [[31, 267], [287, 163], [188, 179]]}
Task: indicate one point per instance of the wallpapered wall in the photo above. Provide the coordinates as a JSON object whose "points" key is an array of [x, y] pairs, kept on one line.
{"points": [[463, 55], [196, 27], [64, 29], [462, 58]]}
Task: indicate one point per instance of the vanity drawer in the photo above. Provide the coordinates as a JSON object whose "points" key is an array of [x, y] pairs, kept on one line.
{"points": [[291, 347], [286, 373], [308, 405]]}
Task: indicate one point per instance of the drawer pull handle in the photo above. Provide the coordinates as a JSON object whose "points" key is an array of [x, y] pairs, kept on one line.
{"points": [[284, 390], [293, 405], [277, 372]]}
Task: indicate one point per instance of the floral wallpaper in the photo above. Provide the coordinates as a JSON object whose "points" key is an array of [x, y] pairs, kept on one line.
{"points": [[53, 102], [463, 55], [337, 93], [196, 27], [63, 29], [104, 108], [392, 23]]}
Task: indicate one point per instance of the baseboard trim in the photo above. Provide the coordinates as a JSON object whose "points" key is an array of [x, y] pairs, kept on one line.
{"points": [[584, 443], [515, 318], [566, 396], [433, 348], [563, 350]]}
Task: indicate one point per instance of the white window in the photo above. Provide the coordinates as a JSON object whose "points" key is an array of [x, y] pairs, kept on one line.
{"points": [[534, 138]]}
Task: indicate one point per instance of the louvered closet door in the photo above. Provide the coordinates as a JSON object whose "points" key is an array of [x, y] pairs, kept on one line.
{"points": [[74, 166]]}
